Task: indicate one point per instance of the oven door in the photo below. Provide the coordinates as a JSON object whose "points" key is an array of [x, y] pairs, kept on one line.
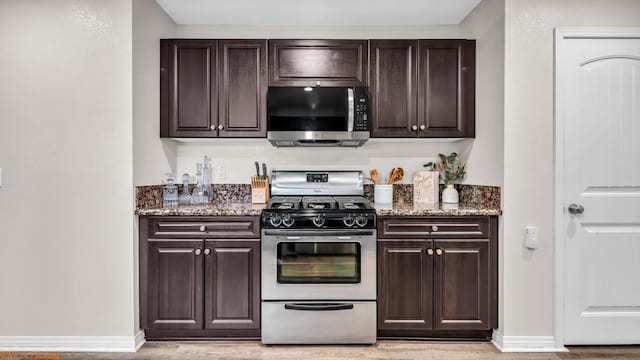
{"points": [[319, 265]]}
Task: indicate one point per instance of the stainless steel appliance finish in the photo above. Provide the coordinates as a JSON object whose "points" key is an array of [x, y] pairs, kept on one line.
{"points": [[318, 260], [319, 288], [300, 183], [352, 322], [317, 116]]}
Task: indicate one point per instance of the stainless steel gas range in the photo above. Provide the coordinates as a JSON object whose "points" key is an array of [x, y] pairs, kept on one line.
{"points": [[318, 260]]}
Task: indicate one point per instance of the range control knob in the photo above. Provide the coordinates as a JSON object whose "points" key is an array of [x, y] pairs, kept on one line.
{"points": [[318, 220], [275, 220], [348, 220], [287, 220], [361, 220]]}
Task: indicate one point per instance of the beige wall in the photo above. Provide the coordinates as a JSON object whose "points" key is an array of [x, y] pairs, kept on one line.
{"points": [[150, 154], [66, 258], [486, 24], [528, 148]]}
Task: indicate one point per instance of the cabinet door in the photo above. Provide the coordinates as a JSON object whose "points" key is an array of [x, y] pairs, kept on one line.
{"points": [[446, 92], [190, 88], [243, 88], [405, 283], [232, 284], [393, 88], [305, 62], [461, 285], [174, 284]]}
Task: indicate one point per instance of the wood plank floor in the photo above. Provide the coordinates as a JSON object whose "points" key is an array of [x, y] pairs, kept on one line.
{"points": [[394, 350]]}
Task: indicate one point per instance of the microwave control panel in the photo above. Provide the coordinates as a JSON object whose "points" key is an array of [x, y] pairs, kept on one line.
{"points": [[361, 118]]}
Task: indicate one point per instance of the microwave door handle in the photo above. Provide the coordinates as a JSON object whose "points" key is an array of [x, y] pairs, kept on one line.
{"points": [[351, 102]]}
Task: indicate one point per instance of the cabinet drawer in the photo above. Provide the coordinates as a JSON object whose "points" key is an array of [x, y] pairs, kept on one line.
{"points": [[433, 227], [206, 227]]}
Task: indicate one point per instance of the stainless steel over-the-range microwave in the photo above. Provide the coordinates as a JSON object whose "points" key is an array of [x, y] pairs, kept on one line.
{"points": [[318, 116]]}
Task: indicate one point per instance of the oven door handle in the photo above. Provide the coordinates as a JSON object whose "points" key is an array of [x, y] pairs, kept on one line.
{"points": [[319, 233], [319, 307]]}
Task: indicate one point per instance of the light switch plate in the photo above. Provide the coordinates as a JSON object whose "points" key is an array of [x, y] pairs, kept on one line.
{"points": [[220, 173], [531, 237], [0, 177]]}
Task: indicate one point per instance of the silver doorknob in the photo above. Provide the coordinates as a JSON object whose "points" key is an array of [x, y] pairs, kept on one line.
{"points": [[576, 209], [198, 252], [220, 127], [430, 251], [213, 127], [414, 127], [207, 251], [439, 252], [422, 127]]}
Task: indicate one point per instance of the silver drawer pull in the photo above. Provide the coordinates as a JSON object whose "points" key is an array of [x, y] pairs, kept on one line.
{"points": [[207, 251], [434, 228], [198, 252], [438, 252], [203, 228], [430, 251]]}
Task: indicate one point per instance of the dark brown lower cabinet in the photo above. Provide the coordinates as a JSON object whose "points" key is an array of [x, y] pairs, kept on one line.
{"points": [[404, 267], [433, 285], [232, 275], [198, 288], [174, 282]]}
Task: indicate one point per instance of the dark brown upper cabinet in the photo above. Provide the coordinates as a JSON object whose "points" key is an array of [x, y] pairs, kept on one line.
{"points": [[243, 88], [423, 88], [393, 88], [446, 90], [213, 88], [306, 62], [188, 88]]}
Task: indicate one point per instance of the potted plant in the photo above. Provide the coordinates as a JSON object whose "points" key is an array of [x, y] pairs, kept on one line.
{"points": [[452, 169]]}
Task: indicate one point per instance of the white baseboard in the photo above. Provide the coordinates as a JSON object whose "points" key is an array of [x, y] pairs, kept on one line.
{"points": [[525, 343], [72, 343]]}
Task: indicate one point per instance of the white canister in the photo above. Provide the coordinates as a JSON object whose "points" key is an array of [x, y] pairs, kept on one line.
{"points": [[383, 194]]}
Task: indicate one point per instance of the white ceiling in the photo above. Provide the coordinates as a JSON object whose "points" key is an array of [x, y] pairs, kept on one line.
{"points": [[318, 12]]}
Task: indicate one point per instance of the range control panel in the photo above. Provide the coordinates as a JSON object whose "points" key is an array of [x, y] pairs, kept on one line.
{"points": [[361, 104]]}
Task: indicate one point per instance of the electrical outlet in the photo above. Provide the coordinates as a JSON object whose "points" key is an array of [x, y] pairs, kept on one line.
{"points": [[531, 237], [221, 172]]}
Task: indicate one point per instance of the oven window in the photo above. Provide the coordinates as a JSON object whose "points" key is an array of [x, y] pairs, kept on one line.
{"points": [[318, 263]]}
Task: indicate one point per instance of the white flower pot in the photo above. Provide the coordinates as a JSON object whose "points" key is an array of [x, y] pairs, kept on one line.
{"points": [[450, 195]]}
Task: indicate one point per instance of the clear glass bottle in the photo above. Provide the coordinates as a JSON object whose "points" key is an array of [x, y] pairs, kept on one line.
{"points": [[198, 194], [206, 179], [185, 196], [170, 192]]}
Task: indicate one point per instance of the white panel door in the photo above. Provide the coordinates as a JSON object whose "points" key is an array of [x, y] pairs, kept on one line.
{"points": [[600, 104]]}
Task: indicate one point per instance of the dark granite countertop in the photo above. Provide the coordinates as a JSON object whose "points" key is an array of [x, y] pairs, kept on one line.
{"points": [[248, 209], [214, 209], [410, 209]]}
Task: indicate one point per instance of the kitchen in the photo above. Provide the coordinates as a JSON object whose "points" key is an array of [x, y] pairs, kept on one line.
{"points": [[512, 156]]}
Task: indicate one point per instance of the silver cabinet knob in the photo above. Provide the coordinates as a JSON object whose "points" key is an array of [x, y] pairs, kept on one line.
{"points": [[203, 228], [422, 127], [414, 127], [430, 251], [198, 252], [213, 127], [576, 209], [434, 228], [438, 252], [207, 251], [220, 127]]}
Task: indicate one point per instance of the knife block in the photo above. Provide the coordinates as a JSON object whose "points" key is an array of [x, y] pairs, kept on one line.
{"points": [[259, 190]]}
